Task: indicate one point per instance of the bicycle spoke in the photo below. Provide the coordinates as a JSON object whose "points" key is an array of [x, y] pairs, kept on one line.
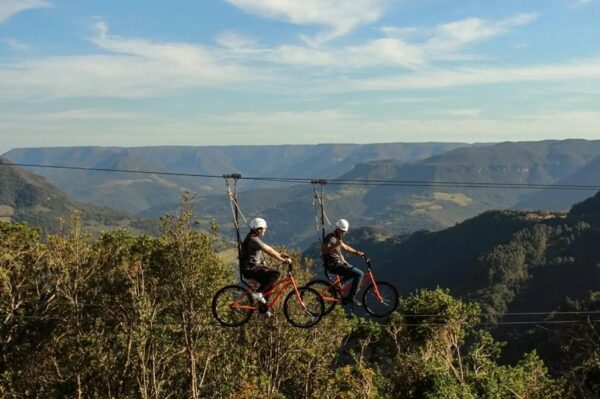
{"points": [[232, 306], [330, 295], [380, 302], [305, 311]]}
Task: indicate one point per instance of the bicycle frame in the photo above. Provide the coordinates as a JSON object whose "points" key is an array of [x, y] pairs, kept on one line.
{"points": [[342, 288], [279, 287]]}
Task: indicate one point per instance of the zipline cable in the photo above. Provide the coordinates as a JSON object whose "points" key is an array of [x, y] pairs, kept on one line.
{"points": [[423, 324], [483, 314], [339, 181]]}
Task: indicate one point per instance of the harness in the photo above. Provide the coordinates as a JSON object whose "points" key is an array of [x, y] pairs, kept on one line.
{"points": [[320, 215], [237, 213], [319, 205]]}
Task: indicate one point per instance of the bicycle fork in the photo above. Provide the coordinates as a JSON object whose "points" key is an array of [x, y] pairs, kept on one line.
{"points": [[377, 293]]}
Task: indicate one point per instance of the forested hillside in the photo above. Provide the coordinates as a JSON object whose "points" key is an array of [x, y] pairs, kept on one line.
{"points": [[25, 197], [135, 192], [128, 316], [405, 209], [519, 266], [506, 260], [288, 208]]}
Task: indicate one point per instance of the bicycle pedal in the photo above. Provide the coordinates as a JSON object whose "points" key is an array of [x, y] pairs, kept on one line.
{"points": [[264, 309]]}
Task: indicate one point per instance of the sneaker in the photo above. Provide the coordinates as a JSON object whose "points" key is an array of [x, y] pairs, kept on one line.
{"points": [[356, 302], [351, 301], [258, 296], [263, 309]]}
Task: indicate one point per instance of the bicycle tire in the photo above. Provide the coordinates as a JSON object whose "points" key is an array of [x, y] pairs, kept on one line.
{"points": [[294, 311], [330, 294], [227, 315], [378, 308]]}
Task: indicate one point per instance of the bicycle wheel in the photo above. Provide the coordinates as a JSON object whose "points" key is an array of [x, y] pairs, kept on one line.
{"points": [[232, 306], [329, 293], [380, 306], [303, 316]]}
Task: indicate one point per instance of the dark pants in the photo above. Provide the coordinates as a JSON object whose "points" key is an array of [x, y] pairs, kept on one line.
{"points": [[263, 275], [347, 272]]}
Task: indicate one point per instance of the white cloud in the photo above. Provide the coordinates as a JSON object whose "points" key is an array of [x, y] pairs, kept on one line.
{"points": [[394, 31], [340, 16], [235, 40], [385, 51], [436, 79], [334, 125], [9, 8], [578, 3], [395, 49], [455, 35], [465, 112], [133, 68], [16, 45], [296, 127], [93, 114], [279, 119]]}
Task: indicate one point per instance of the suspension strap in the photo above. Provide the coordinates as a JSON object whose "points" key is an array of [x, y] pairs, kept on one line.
{"points": [[235, 208], [320, 211]]}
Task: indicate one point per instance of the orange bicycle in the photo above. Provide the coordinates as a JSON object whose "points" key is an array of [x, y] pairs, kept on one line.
{"points": [[303, 307], [379, 298]]}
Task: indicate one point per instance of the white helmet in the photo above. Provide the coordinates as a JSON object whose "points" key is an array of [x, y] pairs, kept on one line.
{"points": [[342, 224], [258, 223]]}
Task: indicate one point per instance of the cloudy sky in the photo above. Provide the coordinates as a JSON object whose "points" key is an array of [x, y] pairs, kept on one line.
{"points": [[186, 72]]}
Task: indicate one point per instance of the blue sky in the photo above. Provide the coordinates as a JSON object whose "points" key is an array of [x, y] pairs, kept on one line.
{"points": [[223, 72]]}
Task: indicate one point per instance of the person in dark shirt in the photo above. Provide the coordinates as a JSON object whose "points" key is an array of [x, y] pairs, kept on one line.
{"points": [[252, 260], [331, 249]]}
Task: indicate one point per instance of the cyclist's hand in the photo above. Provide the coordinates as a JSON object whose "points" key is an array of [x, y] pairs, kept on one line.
{"points": [[288, 261], [361, 254]]}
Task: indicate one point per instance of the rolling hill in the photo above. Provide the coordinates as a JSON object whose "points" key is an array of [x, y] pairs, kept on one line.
{"points": [[139, 192], [510, 261], [288, 208], [26, 197], [404, 210]]}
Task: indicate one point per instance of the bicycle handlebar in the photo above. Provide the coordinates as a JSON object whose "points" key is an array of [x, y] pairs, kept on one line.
{"points": [[367, 260]]}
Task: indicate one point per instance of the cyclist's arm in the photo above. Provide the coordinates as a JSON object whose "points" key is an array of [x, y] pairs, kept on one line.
{"points": [[351, 250], [274, 254]]}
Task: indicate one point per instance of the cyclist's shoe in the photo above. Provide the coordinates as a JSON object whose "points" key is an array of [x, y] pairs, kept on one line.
{"points": [[258, 296], [351, 301], [263, 309], [356, 302]]}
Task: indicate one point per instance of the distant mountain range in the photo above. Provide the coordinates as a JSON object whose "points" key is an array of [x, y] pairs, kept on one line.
{"points": [[288, 208], [407, 209], [140, 192], [26, 197]]}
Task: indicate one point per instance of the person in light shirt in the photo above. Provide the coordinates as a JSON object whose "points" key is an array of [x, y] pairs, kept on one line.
{"points": [[252, 263]]}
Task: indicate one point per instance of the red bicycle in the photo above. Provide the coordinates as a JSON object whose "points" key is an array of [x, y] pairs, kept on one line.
{"points": [[379, 298], [303, 307]]}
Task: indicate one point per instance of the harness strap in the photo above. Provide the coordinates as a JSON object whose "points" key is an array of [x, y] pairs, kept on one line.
{"points": [[320, 199], [235, 209]]}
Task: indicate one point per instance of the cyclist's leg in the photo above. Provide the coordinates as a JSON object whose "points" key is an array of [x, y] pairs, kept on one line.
{"points": [[264, 276], [357, 279], [347, 271]]}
